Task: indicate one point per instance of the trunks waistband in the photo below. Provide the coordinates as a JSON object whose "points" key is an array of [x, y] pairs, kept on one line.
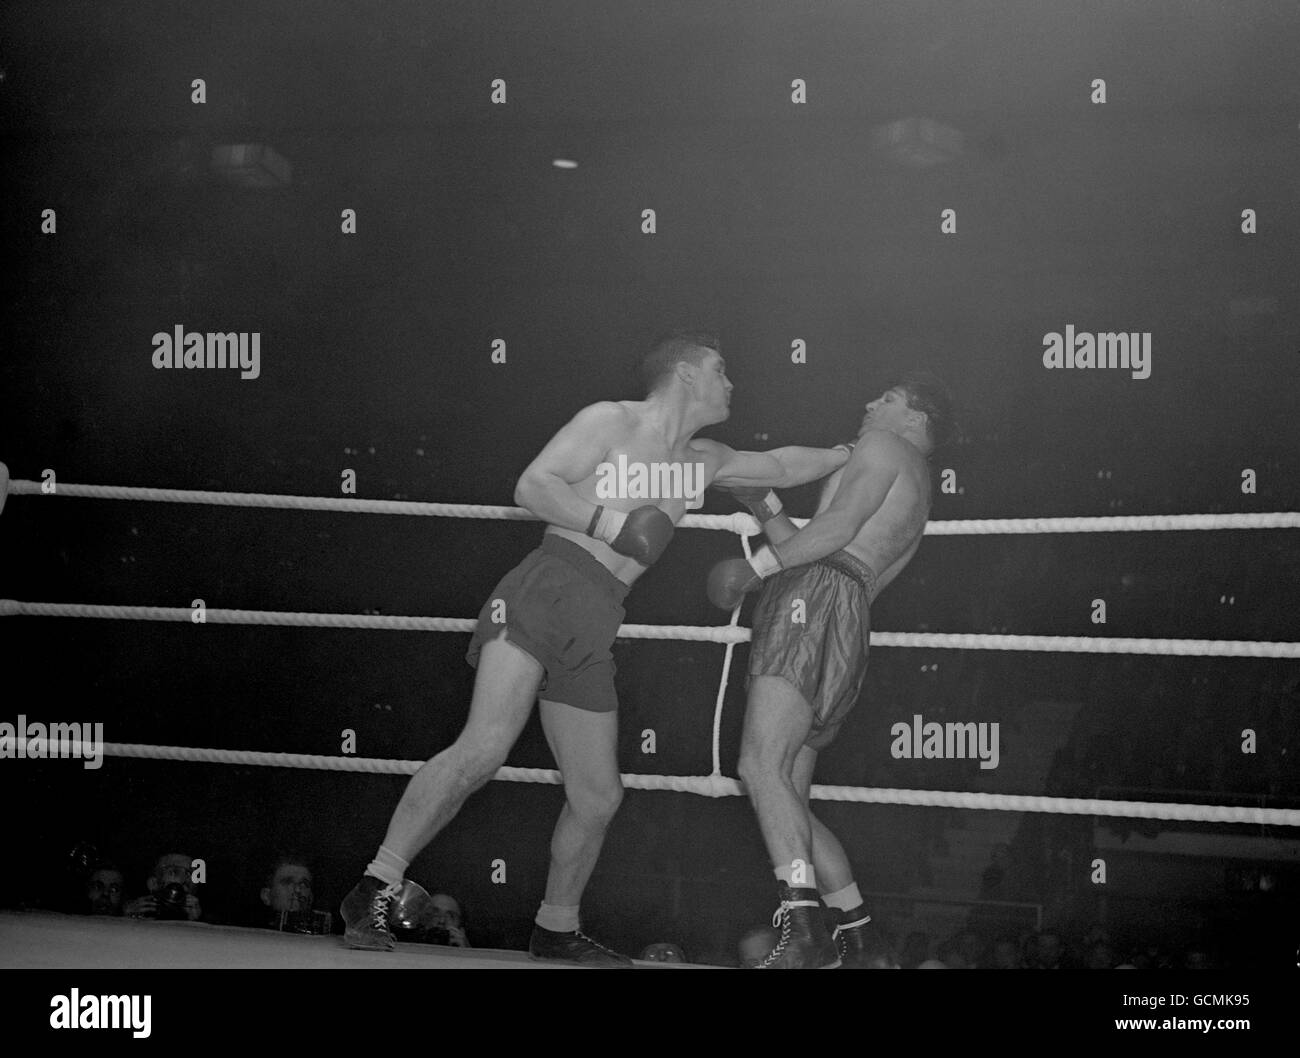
{"points": [[854, 567], [585, 563]]}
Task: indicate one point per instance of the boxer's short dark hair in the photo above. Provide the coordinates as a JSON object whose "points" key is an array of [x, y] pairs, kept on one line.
{"points": [[671, 349], [927, 393]]}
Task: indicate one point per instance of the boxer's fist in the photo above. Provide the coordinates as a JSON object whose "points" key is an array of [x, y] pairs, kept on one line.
{"points": [[641, 534], [734, 578], [763, 503]]}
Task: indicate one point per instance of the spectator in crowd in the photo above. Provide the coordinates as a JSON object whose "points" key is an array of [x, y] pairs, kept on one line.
{"points": [[755, 945], [443, 922], [663, 951], [171, 891], [104, 890], [288, 890]]}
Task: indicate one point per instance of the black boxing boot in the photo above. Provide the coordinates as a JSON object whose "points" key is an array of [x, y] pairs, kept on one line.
{"points": [[574, 947], [804, 942], [858, 941]]}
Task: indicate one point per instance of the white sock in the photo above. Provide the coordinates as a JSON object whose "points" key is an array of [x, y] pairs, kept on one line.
{"points": [[559, 918], [387, 866], [846, 899]]}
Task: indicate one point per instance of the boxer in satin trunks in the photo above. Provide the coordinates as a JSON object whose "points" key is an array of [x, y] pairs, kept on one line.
{"points": [[825, 657]]}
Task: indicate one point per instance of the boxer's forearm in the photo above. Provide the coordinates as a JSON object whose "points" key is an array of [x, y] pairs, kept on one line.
{"points": [[779, 529], [552, 499], [802, 465], [824, 535]]}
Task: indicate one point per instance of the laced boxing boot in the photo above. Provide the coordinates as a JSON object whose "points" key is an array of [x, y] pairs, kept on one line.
{"points": [[365, 914], [572, 947], [855, 940], [804, 942]]}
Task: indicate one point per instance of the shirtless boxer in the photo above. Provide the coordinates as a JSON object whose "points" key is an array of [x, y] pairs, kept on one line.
{"points": [[547, 628], [806, 675]]}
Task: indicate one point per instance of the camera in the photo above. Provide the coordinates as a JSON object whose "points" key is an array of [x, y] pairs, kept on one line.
{"points": [[171, 901]]}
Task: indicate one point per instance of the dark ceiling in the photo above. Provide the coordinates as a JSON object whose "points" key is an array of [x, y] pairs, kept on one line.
{"points": [[776, 221]]}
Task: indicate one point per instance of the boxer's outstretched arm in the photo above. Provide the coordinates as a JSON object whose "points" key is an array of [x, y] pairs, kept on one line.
{"points": [[546, 486], [779, 468], [866, 481]]}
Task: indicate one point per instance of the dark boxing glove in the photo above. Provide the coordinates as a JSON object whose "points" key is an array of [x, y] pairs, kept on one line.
{"points": [[641, 534], [763, 503], [731, 580]]}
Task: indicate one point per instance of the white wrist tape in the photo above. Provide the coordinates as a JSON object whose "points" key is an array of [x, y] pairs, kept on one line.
{"points": [[768, 507], [609, 525], [765, 562]]}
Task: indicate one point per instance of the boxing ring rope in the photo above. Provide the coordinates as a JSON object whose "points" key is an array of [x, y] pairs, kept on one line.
{"points": [[729, 634], [715, 784], [740, 523], [721, 786]]}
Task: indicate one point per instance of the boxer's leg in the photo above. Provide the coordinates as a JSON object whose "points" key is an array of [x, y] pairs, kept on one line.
{"points": [[505, 688], [585, 746], [834, 871], [777, 721], [859, 942]]}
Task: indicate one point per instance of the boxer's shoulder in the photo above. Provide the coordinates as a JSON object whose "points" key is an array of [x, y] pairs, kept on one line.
{"points": [[885, 446]]}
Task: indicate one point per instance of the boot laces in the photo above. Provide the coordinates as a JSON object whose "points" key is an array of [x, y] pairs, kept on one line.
{"points": [[782, 919], [379, 906], [596, 944]]}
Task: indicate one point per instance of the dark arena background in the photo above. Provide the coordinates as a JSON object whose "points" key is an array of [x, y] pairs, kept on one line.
{"points": [[452, 226]]}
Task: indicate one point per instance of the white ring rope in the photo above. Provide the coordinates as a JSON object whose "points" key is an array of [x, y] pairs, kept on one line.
{"points": [[741, 523], [715, 785], [729, 634], [721, 786]]}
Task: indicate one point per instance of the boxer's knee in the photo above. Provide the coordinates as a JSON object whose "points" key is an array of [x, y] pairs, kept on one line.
{"points": [[594, 803], [758, 766], [476, 760]]}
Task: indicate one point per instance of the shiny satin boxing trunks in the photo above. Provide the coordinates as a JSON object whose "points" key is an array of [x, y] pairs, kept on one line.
{"points": [[564, 608], [824, 656]]}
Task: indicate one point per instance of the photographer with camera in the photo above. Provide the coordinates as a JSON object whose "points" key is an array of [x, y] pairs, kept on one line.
{"points": [[288, 898], [171, 892], [443, 924]]}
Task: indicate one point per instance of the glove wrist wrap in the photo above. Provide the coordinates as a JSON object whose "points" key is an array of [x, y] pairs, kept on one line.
{"points": [[766, 562]]}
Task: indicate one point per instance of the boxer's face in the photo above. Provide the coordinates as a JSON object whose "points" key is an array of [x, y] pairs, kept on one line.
{"points": [[889, 411], [713, 388]]}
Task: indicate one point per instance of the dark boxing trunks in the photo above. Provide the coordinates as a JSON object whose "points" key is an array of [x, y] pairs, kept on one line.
{"points": [[825, 657], [564, 608]]}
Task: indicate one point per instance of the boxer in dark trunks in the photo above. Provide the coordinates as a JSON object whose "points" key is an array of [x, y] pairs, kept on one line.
{"points": [[808, 656], [546, 630]]}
